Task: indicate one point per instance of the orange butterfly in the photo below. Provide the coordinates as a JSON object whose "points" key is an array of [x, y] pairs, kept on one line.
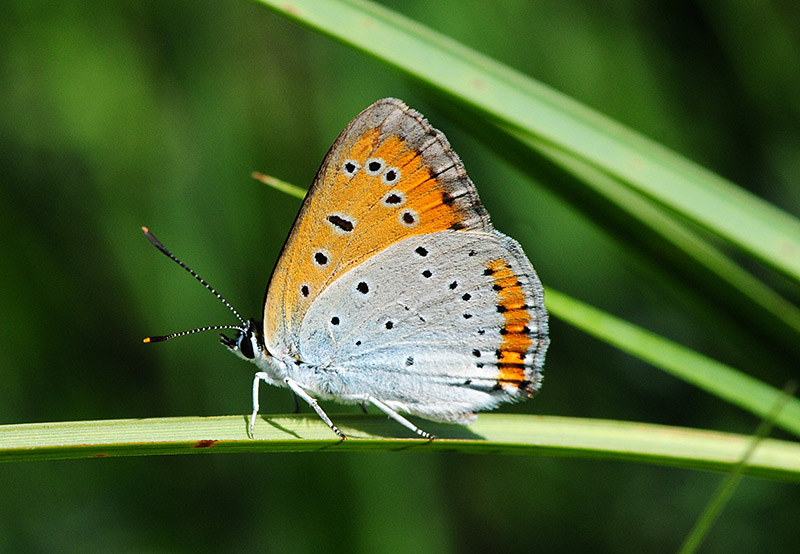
{"points": [[393, 288]]}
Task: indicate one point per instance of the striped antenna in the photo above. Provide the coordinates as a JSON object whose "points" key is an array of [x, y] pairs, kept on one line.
{"points": [[162, 338], [157, 243]]}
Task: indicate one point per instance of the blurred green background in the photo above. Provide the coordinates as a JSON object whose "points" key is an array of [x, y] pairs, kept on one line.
{"points": [[119, 114]]}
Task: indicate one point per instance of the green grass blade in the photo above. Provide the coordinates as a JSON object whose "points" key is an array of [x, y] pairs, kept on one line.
{"points": [[712, 376], [728, 486], [283, 186], [511, 98], [652, 228], [495, 433]]}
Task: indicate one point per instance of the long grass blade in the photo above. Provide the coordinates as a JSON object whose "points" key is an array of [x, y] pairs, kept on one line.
{"points": [[714, 377], [492, 433], [729, 484]]}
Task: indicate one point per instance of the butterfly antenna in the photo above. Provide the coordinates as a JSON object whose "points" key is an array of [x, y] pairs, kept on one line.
{"points": [[162, 338], [157, 243]]}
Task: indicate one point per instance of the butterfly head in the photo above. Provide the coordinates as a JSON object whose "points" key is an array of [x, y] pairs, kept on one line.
{"points": [[247, 343]]}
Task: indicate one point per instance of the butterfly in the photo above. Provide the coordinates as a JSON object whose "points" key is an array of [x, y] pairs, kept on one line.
{"points": [[393, 288]]}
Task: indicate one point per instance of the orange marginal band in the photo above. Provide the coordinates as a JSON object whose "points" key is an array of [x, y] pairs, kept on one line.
{"points": [[515, 331]]}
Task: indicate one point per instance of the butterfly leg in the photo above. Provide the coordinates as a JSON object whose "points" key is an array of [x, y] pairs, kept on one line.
{"points": [[256, 380], [298, 390], [392, 414]]}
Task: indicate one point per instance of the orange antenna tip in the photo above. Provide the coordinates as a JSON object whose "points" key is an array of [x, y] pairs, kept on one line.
{"points": [[146, 340]]}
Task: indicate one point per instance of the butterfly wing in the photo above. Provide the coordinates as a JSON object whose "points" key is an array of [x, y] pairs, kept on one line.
{"points": [[388, 176], [439, 325], [393, 282]]}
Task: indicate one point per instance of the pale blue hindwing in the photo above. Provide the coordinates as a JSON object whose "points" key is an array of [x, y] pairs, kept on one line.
{"points": [[417, 327]]}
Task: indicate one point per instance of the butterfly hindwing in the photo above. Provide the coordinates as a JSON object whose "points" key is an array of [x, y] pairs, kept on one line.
{"points": [[438, 325]]}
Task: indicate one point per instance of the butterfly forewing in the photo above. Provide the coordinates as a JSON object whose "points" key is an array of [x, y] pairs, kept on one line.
{"points": [[388, 176]]}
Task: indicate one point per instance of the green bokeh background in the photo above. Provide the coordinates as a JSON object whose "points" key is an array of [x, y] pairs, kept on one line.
{"points": [[119, 114]]}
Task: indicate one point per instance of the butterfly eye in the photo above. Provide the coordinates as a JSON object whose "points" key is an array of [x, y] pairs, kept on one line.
{"points": [[374, 166], [350, 168], [245, 344], [390, 176]]}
